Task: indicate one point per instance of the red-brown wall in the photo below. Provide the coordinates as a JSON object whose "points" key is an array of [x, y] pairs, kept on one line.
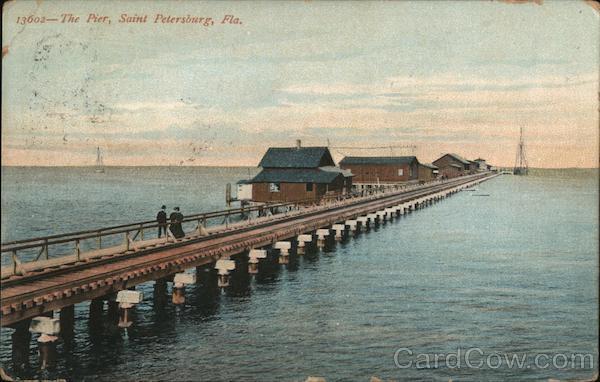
{"points": [[450, 171], [369, 173], [292, 192]]}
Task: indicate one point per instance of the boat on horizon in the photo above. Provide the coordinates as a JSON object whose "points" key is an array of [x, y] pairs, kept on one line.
{"points": [[99, 162]]}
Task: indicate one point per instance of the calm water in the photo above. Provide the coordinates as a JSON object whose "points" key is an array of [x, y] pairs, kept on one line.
{"points": [[512, 272]]}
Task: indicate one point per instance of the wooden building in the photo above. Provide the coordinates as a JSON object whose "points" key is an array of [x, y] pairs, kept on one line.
{"points": [[482, 166], [473, 166], [376, 171], [298, 174], [452, 165], [427, 172]]}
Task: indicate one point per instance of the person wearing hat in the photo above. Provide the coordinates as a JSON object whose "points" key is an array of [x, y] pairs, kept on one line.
{"points": [[175, 227], [161, 219]]}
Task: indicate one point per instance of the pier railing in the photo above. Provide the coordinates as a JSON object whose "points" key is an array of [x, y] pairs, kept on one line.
{"points": [[16, 253]]}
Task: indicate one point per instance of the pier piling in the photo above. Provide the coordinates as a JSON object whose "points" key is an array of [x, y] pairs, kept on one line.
{"points": [[127, 299], [67, 322], [284, 248], [321, 235], [363, 222], [49, 329], [21, 338], [179, 282], [160, 292], [96, 311], [253, 256], [339, 231], [302, 240], [223, 268]]}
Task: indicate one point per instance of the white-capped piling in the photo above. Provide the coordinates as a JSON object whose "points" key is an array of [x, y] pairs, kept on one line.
{"points": [[179, 282], [223, 268], [302, 240], [372, 220], [352, 224], [284, 251], [49, 329], [321, 235], [339, 231], [363, 220], [127, 299], [400, 209], [391, 211], [253, 256]]}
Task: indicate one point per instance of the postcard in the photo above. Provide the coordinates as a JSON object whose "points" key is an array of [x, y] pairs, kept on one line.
{"points": [[299, 190]]}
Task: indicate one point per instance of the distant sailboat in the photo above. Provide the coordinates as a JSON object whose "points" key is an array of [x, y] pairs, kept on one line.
{"points": [[521, 166], [99, 162]]}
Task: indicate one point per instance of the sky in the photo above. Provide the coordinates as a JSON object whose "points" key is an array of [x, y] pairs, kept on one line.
{"points": [[459, 77]]}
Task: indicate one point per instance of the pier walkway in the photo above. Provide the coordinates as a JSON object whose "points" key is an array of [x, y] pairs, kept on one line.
{"points": [[44, 285]]}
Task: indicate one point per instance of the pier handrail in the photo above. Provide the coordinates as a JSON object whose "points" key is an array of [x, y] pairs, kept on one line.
{"points": [[17, 245], [43, 243]]}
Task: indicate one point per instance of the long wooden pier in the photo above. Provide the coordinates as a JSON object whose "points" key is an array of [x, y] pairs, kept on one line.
{"points": [[42, 286]]}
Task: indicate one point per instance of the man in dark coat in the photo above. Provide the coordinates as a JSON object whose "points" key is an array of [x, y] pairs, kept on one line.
{"points": [[161, 219], [175, 227]]}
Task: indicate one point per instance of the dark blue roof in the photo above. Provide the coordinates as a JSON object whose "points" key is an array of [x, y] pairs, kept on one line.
{"points": [[292, 157], [378, 160], [293, 175]]}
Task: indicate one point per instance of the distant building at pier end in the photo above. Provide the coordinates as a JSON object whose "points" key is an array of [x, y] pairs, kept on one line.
{"points": [[481, 164], [452, 165], [473, 166], [291, 174]]}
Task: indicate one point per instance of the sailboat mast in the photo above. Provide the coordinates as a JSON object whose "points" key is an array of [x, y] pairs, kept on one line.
{"points": [[521, 166]]}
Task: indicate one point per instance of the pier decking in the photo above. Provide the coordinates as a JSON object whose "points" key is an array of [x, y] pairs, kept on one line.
{"points": [[38, 288]]}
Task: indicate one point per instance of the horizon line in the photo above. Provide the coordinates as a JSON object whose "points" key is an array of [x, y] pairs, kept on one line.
{"points": [[245, 166]]}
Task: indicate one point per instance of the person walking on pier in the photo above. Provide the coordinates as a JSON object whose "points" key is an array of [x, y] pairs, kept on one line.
{"points": [[161, 219], [175, 227]]}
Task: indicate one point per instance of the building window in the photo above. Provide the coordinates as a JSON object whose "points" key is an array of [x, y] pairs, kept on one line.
{"points": [[400, 171], [410, 172], [309, 187], [274, 187]]}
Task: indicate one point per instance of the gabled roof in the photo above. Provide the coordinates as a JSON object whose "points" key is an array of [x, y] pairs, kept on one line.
{"points": [[292, 157], [378, 160], [455, 157], [295, 175], [479, 160], [459, 158]]}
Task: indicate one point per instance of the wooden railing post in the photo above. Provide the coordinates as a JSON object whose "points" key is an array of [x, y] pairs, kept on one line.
{"points": [[99, 240], [14, 259], [126, 238], [77, 249], [46, 249], [141, 232]]}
